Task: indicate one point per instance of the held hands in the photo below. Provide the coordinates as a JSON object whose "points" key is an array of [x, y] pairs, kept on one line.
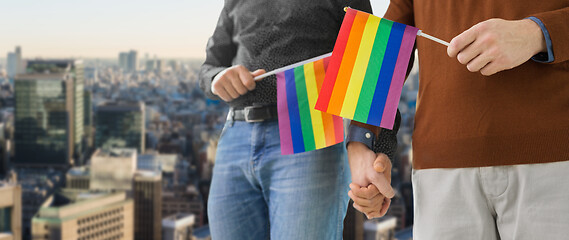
{"points": [[497, 44], [233, 82], [371, 187]]}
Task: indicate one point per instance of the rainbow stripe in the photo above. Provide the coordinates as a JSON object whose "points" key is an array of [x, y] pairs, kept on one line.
{"points": [[367, 69], [301, 127]]}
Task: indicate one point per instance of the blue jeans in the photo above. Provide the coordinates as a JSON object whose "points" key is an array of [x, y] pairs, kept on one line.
{"points": [[257, 193]]}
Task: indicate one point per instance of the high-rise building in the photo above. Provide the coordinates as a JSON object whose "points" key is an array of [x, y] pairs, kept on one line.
{"points": [[132, 63], [112, 169], [150, 65], [20, 63], [49, 114], [89, 128], [83, 214], [159, 66], [148, 208], [10, 211], [123, 60], [120, 125], [11, 65], [178, 227]]}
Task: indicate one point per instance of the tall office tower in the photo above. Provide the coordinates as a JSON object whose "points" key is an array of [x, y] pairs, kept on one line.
{"points": [[120, 125], [11, 65], [178, 227], [132, 63], [78, 178], [150, 65], [123, 61], [89, 128], [83, 214], [49, 113], [10, 211], [20, 63], [148, 208], [159, 66], [113, 169]]}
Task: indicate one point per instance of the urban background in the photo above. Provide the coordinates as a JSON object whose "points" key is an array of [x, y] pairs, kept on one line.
{"points": [[119, 142]]}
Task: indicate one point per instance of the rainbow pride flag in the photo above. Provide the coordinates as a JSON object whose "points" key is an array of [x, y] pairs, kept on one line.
{"points": [[301, 127], [367, 69]]}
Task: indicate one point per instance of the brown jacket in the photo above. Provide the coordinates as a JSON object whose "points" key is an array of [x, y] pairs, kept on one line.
{"points": [[465, 119]]}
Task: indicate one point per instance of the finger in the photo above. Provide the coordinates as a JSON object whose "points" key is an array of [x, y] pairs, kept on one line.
{"points": [[385, 207], [382, 164], [461, 41], [366, 192], [479, 62], [470, 52], [228, 86], [383, 185], [364, 202], [370, 213], [239, 86], [223, 95], [490, 68], [258, 72], [246, 78]]}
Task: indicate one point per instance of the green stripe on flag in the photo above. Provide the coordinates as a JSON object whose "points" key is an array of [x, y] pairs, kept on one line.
{"points": [[372, 72], [304, 109]]}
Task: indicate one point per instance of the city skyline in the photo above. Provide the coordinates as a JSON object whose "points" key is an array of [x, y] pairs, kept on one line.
{"points": [[102, 29]]}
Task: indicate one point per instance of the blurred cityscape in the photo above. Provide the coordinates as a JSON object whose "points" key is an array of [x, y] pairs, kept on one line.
{"points": [[124, 149]]}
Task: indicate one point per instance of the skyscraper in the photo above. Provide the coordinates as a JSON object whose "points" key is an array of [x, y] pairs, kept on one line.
{"points": [[123, 61], [132, 65], [120, 125], [11, 65], [49, 115], [148, 207]]}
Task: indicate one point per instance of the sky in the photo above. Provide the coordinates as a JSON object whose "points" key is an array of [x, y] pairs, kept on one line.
{"points": [[103, 28]]}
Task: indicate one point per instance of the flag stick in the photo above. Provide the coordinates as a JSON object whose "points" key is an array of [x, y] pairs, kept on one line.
{"points": [[427, 36], [278, 70]]}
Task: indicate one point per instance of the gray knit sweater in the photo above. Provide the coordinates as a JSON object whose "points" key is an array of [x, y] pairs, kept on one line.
{"points": [[268, 34]]}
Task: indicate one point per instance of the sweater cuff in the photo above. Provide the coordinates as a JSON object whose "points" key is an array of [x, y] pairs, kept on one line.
{"points": [[544, 57]]}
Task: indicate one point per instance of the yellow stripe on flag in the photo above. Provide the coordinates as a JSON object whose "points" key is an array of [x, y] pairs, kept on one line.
{"points": [[312, 90], [360, 66]]}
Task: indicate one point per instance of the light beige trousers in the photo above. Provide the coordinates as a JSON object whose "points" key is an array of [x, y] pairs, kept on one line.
{"points": [[504, 202]]}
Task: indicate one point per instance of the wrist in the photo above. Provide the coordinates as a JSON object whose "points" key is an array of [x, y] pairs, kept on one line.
{"points": [[536, 36]]}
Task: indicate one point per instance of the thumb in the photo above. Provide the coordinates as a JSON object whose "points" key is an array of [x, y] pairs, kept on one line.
{"points": [[258, 72], [382, 164], [384, 187]]}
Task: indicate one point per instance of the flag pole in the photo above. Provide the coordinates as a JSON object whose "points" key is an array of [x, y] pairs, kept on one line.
{"points": [[298, 64], [427, 36]]}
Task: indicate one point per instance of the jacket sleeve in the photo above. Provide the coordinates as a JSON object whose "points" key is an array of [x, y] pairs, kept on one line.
{"points": [[220, 52], [556, 24]]}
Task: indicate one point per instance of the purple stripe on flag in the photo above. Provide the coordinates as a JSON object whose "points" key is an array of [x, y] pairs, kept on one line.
{"points": [[284, 120], [398, 77]]}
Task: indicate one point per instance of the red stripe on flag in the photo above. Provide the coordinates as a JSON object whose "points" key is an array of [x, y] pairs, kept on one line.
{"points": [[336, 60]]}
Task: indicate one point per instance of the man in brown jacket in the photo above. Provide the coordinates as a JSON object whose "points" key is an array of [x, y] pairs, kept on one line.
{"points": [[491, 137]]}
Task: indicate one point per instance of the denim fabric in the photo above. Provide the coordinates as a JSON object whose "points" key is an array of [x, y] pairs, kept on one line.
{"points": [[257, 193]]}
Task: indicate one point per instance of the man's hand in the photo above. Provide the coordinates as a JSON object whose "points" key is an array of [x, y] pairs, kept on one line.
{"points": [[371, 180], [233, 82], [496, 45]]}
